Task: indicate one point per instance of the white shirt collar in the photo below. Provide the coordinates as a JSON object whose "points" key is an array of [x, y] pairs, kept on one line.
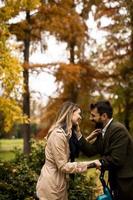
{"points": [[106, 126]]}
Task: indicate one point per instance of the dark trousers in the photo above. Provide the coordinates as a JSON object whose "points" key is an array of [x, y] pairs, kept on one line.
{"points": [[123, 189]]}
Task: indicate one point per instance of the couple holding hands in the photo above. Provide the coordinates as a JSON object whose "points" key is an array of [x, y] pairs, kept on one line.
{"points": [[110, 139]]}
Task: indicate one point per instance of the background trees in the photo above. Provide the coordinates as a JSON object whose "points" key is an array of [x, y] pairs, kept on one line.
{"points": [[93, 69], [10, 79], [117, 53]]}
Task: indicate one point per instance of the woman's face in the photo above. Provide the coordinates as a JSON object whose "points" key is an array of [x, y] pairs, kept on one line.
{"points": [[76, 116]]}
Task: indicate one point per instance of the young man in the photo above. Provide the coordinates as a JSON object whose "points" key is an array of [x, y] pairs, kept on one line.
{"points": [[115, 146]]}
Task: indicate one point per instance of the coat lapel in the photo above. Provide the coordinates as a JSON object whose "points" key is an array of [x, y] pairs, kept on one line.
{"points": [[107, 137]]}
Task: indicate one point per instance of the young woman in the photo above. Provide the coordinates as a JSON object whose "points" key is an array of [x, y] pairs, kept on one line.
{"points": [[60, 151]]}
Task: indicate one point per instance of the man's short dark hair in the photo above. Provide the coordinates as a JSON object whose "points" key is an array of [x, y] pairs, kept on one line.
{"points": [[103, 107]]}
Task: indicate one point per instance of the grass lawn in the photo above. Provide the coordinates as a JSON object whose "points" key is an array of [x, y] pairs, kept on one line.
{"points": [[7, 146]]}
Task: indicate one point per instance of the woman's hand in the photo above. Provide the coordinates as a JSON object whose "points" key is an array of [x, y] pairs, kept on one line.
{"points": [[98, 164], [78, 132], [92, 137]]}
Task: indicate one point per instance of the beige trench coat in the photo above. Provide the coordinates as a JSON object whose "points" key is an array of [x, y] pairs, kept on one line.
{"points": [[53, 180]]}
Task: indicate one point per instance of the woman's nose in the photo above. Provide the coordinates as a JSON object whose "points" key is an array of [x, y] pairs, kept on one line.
{"points": [[91, 118], [80, 117]]}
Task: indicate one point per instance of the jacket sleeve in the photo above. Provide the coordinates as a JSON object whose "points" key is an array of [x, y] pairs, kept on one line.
{"points": [[59, 147], [117, 150], [87, 148]]}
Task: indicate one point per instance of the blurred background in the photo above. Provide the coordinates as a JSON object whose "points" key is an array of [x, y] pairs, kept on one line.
{"points": [[52, 51]]}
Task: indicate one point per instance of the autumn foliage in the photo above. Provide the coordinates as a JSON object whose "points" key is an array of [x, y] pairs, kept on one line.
{"points": [[106, 71]]}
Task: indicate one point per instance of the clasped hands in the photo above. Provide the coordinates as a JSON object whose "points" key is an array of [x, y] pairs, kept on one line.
{"points": [[94, 164]]}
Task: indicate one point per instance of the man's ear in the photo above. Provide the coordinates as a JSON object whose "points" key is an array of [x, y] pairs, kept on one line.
{"points": [[105, 116]]}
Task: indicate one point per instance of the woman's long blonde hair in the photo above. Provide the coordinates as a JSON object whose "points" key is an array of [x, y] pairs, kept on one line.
{"points": [[64, 117]]}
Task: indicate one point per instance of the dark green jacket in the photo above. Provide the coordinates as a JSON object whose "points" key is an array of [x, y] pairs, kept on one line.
{"points": [[116, 149]]}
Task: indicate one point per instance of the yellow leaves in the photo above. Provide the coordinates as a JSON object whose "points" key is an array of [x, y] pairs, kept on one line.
{"points": [[3, 32], [10, 9], [10, 83], [12, 113], [12, 6], [30, 4], [10, 73]]}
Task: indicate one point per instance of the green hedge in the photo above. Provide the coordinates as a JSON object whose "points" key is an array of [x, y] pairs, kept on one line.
{"points": [[18, 177]]}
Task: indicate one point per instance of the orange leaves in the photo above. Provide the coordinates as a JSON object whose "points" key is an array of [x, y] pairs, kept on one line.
{"points": [[76, 72], [63, 21], [108, 12], [68, 73]]}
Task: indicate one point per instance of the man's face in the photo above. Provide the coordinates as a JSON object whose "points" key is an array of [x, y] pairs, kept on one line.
{"points": [[96, 118]]}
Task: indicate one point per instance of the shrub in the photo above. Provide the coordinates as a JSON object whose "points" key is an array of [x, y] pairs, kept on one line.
{"points": [[35, 159], [17, 181], [18, 177], [81, 187]]}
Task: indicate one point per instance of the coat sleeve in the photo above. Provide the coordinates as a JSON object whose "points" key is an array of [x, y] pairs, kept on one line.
{"points": [[59, 146]]}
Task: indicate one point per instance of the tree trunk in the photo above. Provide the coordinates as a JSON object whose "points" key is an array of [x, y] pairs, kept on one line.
{"points": [[26, 94], [72, 53], [73, 88]]}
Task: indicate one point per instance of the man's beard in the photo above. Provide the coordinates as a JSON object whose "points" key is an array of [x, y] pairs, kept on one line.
{"points": [[99, 125]]}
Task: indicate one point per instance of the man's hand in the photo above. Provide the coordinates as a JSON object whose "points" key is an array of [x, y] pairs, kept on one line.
{"points": [[94, 164]]}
